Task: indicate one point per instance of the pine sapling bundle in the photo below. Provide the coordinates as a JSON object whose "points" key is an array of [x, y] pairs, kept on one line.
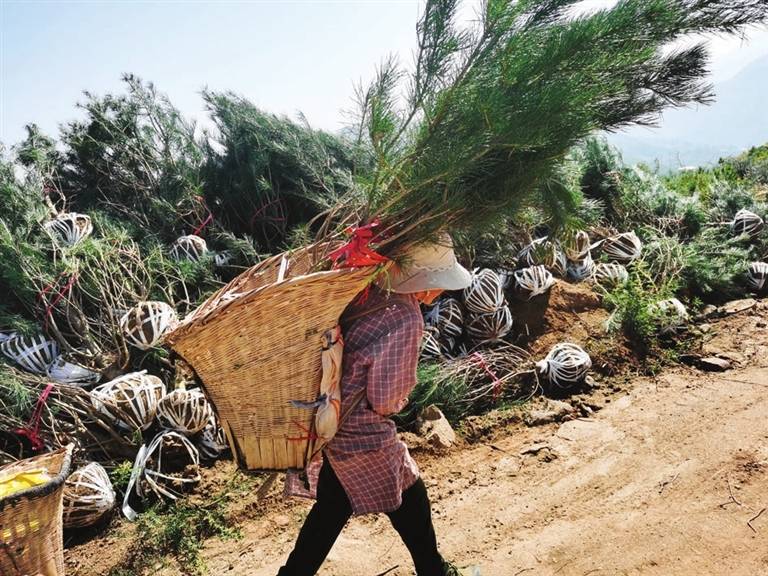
{"points": [[757, 276], [488, 376], [485, 294], [131, 400], [168, 466], [190, 247], [69, 229], [145, 325], [33, 353], [68, 415], [610, 274], [532, 281], [467, 146], [185, 411], [746, 223], [544, 252], [88, 496], [623, 248], [566, 365]]}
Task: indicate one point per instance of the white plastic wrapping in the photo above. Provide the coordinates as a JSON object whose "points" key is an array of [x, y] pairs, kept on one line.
{"points": [[673, 315], [485, 293], [566, 365], [88, 496], [185, 411], [145, 325], [624, 248], [71, 228], [757, 276], [533, 281], [491, 326], [610, 274], [131, 400], [746, 222], [33, 353], [189, 247]]}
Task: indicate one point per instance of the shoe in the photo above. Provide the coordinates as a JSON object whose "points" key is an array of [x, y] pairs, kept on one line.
{"points": [[450, 569]]}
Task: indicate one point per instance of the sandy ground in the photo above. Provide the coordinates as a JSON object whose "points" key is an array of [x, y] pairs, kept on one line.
{"points": [[670, 478], [663, 481]]}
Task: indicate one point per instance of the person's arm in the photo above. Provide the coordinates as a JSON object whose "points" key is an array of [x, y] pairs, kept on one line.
{"points": [[393, 361]]}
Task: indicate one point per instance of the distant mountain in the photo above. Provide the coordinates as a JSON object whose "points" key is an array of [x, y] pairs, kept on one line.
{"points": [[698, 136]]}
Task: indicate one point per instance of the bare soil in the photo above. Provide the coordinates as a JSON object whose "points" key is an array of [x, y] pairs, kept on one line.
{"points": [[670, 477]]}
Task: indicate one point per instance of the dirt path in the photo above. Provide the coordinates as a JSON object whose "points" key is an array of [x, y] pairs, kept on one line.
{"points": [[669, 479], [642, 488]]}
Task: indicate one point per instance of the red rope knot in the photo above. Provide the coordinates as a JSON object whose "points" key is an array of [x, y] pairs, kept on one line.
{"points": [[357, 252], [208, 219], [58, 295], [497, 383], [309, 435], [32, 429]]}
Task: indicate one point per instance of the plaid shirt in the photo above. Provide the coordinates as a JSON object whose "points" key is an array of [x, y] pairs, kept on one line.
{"points": [[381, 351]]}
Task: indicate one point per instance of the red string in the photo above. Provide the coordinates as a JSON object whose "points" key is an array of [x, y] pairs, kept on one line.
{"points": [[497, 384], [356, 252], [32, 429], [208, 218], [262, 209], [50, 306], [309, 435]]}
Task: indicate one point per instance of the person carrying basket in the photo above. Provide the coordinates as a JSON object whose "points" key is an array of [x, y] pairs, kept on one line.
{"points": [[365, 468]]}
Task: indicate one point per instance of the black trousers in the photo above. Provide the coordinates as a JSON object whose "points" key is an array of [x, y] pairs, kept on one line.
{"points": [[413, 521]]}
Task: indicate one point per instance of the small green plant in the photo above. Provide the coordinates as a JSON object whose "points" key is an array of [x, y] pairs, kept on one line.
{"points": [[433, 388], [16, 399], [179, 530], [633, 310], [120, 475]]}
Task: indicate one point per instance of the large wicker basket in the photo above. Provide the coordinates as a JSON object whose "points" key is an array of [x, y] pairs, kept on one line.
{"points": [[256, 345], [31, 537]]}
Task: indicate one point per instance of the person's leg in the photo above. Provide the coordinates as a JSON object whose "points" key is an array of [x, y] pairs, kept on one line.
{"points": [[321, 528], [413, 521]]}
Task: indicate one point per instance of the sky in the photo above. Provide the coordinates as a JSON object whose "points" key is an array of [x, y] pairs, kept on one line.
{"points": [[285, 56]]}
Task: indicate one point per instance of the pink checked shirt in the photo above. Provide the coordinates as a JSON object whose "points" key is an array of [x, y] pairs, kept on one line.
{"points": [[381, 351]]}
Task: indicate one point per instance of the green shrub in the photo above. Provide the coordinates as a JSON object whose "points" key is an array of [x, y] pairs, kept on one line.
{"points": [[633, 311], [179, 530], [433, 388]]}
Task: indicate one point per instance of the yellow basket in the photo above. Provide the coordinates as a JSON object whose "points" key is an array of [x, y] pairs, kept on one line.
{"points": [[31, 537], [256, 345]]}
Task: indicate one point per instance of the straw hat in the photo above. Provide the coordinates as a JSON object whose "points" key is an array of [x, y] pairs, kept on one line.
{"points": [[430, 266]]}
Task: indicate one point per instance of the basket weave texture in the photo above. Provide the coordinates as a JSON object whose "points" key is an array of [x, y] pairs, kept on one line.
{"points": [[256, 345], [31, 537]]}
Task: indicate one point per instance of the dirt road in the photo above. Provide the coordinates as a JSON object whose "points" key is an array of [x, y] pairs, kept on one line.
{"points": [[663, 481]]}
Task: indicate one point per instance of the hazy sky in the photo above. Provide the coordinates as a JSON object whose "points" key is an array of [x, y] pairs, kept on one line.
{"points": [[285, 56]]}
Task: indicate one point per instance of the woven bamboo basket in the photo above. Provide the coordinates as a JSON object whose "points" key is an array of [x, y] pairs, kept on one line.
{"points": [[31, 538], [256, 345]]}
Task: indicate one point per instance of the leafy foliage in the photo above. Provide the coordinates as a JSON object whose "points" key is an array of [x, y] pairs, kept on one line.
{"points": [[266, 175], [137, 159], [633, 311], [179, 530], [469, 144]]}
